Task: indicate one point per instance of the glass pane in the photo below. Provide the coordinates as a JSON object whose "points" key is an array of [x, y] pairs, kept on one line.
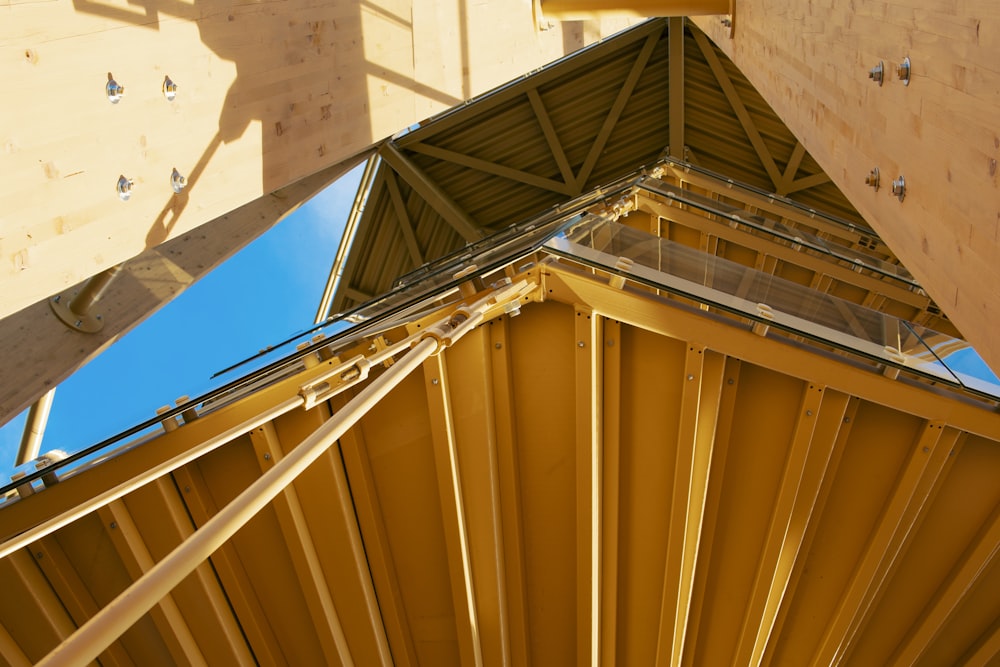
{"points": [[602, 243]]}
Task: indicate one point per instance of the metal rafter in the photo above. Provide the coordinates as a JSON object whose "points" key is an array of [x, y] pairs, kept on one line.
{"points": [[302, 549], [820, 419], [10, 651], [124, 534], [985, 650], [699, 411], [79, 603], [616, 111], [510, 491], [812, 527], [791, 169], [611, 492], [551, 138], [753, 134], [56, 618], [575, 286], [470, 370], [807, 182], [589, 457], [489, 167], [226, 562], [405, 224], [422, 184], [903, 512], [676, 84], [453, 509], [713, 495], [376, 544], [978, 556]]}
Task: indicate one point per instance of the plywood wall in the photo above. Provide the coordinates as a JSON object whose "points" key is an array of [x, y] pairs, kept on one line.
{"points": [[268, 93], [811, 62]]}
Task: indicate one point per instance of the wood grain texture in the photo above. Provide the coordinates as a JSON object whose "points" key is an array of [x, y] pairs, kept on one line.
{"points": [[41, 351], [810, 62], [268, 93]]}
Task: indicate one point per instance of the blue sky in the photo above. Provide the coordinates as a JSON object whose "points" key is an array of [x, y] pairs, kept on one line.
{"points": [[258, 297]]}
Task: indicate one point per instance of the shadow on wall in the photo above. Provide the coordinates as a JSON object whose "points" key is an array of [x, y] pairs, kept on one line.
{"points": [[304, 71], [301, 71]]}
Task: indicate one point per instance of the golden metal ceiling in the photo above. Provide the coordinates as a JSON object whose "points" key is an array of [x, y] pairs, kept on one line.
{"points": [[584, 121], [611, 477]]}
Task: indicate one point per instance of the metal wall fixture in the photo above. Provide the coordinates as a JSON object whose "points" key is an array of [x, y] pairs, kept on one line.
{"points": [[899, 187], [76, 314], [872, 179], [177, 182], [876, 73], [903, 71], [124, 187], [169, 89], [114, 90]]}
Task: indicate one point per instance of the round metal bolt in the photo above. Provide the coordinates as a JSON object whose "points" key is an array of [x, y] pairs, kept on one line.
{"points": [[611, 343], [124, 187], [498, 345], [690, 377], [38, 555], [927, 449], [903, 71], [187, 489], [580, 343], [267, 456], [177, 182], [730, 381], [847, 420], [872, 179], [113, 525], [899, 187], [434, 381], [114, 90], [169, 89], [809, 413], [876, 73]]}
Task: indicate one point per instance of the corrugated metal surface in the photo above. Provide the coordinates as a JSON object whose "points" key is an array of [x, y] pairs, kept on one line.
{"points": [[608, 472], [504, 130]]}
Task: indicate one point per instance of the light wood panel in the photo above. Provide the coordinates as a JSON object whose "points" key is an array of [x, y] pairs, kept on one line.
{"points": [[810, 62], [267, 93]]}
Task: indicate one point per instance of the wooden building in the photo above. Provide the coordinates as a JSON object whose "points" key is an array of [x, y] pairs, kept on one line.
{"points": [[622, 362]]}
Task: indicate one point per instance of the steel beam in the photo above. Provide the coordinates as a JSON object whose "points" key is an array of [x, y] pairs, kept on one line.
{"points": [[820, 419], [453, 510], [302, 550], [488, 167], [903, 512], [611, 490], [601, 139], [510, 492], [551, 138], [676, 84], [973, 565], [403, 218], [376, 544], [589, 458], [422, 184], [135, 556], [701, 393], [570, 285]]}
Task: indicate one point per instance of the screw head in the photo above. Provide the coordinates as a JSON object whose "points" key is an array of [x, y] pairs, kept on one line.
{"points": [[267, 456], [434, 381], [580, 343]]}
